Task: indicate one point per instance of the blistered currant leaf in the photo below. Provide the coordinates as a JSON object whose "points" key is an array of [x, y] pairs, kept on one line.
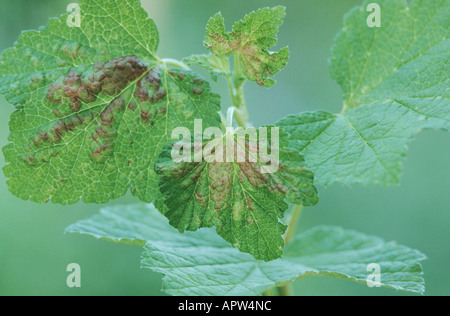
{"points": [[244, 198], [395, 80], [218, 66], [250, 42], [201, 263], [95, 106]]}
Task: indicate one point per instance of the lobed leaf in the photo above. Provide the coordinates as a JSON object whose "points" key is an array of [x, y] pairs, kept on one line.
{"points": [[95, 105], [218, 66], [201, 263], [395, 81], [250, 41], [241, 199]]}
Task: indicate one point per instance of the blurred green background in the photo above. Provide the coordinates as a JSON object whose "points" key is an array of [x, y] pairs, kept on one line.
{"points": [[34, 251]]}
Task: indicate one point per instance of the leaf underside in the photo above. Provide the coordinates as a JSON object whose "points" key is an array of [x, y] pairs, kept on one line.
{"points": [[217, 66], [201, 263]]}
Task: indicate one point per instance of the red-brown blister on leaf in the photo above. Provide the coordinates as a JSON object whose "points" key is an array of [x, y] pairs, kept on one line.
{"points": [[41, 143], [37, 140], [36, 80], [107, 116], [221, 183], [55, 92], [110, 78], [149, 92], [201, 193], [181, 76], [74, 50], [84, 86], [58, 113], [251, 172], [159, 95], [198, 86], [37, 157], [197, 90], [104, 134], [100, 153], [201, 198], [141, 92], [249, 203], [276, 184], [219, 38], [149, 87], [29, 159], [132, 106]]}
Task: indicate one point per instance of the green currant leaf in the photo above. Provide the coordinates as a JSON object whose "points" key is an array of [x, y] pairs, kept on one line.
{"points": [[396, 82], [201, 263], [250, 41], [243, 199], [218, 66], [95, 106]]}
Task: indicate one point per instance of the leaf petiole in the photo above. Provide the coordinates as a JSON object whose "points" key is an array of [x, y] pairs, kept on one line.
{"points": [[236, 89], [174, 63]]}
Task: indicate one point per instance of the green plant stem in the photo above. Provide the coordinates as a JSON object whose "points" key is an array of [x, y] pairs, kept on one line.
{"points": [[174, 63], [236, 88], [240, 113], [293, 223], [267, 292], [287, 289]]}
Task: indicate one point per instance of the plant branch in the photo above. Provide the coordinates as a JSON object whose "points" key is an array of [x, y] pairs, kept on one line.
{"points": [[236, 88], [287, 289], [175, 63], [293, 223]]}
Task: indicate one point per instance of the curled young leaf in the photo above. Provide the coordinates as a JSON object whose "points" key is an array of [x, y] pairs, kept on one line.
{"points": [[250, 41], [216, 65]]}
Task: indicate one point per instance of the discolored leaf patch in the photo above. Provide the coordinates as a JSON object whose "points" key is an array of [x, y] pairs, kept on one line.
{"points": [[93, 112], [251, 39], [109, 78], [244, 203]]}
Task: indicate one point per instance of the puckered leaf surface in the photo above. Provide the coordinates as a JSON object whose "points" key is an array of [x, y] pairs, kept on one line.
{"points": [[251, 39], [241, 199], [395, 80], [95, 106], [201, 263]]}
